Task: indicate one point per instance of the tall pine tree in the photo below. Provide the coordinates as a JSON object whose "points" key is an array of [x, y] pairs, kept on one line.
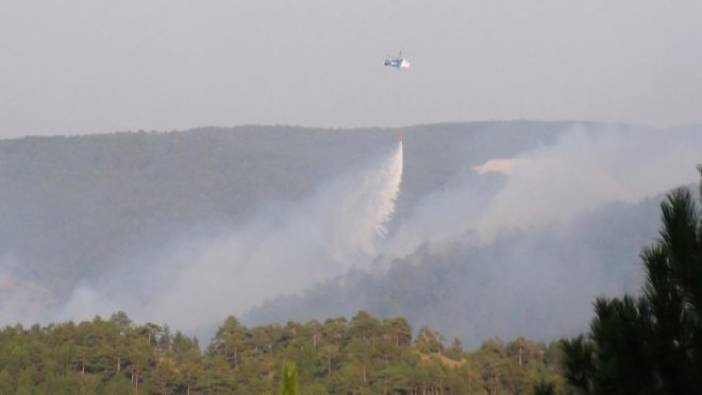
{"points": [[651, 344]]}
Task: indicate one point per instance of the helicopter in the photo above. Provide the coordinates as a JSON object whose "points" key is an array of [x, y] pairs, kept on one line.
{"points": [[397, 62]]}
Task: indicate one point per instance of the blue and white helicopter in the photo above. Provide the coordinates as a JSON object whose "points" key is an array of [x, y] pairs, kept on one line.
{"points": [[397, 62]]}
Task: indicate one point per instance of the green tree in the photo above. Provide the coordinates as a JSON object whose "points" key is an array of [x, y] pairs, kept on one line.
{"points": [[455, 351], [164, 376], [25, 382], [6, 383], [289, 385], [361, 356], [544, 388], [229, 341], [429, 341], [653, 343], [117, 385], [189, 361], [579, 363]]}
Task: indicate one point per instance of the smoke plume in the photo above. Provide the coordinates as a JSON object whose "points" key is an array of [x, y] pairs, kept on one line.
{"points": [[494, 234], [285, 250]]}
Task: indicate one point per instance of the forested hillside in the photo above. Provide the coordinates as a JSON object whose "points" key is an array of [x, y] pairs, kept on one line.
{"points": [[515, 285], [496, 228], [363, 355], [74, 208]]}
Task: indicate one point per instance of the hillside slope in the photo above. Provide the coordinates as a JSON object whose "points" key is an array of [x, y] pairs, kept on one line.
{"points": [[186, 227], [75, 207]]}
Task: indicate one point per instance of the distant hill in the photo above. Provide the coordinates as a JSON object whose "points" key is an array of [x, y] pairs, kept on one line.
{"points": [[72, 208], [80, 212]]}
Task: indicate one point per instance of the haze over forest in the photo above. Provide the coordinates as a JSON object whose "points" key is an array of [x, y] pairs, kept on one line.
{"points": [[364, 197], [476, 229]]}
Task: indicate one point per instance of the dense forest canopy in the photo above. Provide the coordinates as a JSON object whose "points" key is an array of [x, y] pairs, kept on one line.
{"points": [[361, 355]]}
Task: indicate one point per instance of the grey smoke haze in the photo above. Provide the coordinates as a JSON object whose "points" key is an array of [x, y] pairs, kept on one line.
{"points": [[74, 208], [538, 283], [550, 185], [285, 250], [527, 257], [90, 66], [519, 253]]}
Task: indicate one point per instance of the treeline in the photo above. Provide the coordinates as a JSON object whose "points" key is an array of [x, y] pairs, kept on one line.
{"points": [[364, 355]]}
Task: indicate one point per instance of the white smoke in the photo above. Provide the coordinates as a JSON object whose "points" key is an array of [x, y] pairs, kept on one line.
{"points": [[542, 192], [283, 252], [553, 184], [523, 248], [585, 170], [21, 300]]}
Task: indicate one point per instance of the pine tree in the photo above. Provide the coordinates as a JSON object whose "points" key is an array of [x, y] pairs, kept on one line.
{"points": [[544, 388], [650, 344], [289, 385]]}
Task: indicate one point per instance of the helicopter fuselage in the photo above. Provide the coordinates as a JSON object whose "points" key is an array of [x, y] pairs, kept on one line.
{"points": [[398, 63]]}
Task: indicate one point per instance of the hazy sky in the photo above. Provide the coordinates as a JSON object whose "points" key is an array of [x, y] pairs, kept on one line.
{"points": [[86, 66]]}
